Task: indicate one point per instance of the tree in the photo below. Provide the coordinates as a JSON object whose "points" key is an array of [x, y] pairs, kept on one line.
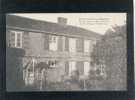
{"points": [[110, 50]]}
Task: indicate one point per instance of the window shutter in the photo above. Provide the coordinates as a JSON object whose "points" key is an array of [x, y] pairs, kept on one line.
{"points": [[80, 67], [7, 38], [82, 45], [77, 45], [92, 43], [67, 44], [67, 68], [60, 43], [46, 42], [12, 39], [25, 40]]}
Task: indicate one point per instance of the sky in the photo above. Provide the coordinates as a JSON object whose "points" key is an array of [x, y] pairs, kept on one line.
{"points": [[97, 22]]}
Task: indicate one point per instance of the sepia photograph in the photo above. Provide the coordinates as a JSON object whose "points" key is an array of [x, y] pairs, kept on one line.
{"points": [[66, 52]]}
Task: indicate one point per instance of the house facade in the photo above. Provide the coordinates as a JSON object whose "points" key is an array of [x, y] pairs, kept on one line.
{"points": [[64, 48]]}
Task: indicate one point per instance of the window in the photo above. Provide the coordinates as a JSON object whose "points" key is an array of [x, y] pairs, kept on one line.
{"points": [[52, 64], [30, 79], [53, 43], [72, 67], [16, 39], [72, 45], [52, 39], [86, 68], [102, 68], [86, 45]]}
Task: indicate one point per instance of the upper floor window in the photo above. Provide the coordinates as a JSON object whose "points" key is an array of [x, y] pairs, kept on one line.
{"points": [[53, 43], [72, 45], [86, 45], [16, 39]]}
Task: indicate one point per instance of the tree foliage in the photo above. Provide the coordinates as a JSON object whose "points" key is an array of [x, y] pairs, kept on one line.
{"points": [[111, 50]]}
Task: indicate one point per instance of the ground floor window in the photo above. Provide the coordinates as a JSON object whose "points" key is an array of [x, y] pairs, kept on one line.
{"points": [[72, 67], [86, 68], [82, 67]]}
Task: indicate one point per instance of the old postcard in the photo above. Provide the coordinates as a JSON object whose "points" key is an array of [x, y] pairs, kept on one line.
{"points": [[66, 51]]}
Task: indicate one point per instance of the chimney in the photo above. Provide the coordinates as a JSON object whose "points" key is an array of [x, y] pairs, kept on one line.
{"points": [[62, 20]]}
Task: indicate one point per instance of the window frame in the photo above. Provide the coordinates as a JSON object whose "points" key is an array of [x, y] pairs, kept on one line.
{"points": [[72, 67], [85, 50], [72, 45], [16, 38], [53, 40], [86, 72]]}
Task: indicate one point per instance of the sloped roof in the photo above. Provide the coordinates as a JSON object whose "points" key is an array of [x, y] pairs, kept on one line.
{"points": [[23, 22]]}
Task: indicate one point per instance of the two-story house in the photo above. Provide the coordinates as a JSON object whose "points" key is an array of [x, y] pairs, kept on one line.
{"points": [[63, 47]]}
